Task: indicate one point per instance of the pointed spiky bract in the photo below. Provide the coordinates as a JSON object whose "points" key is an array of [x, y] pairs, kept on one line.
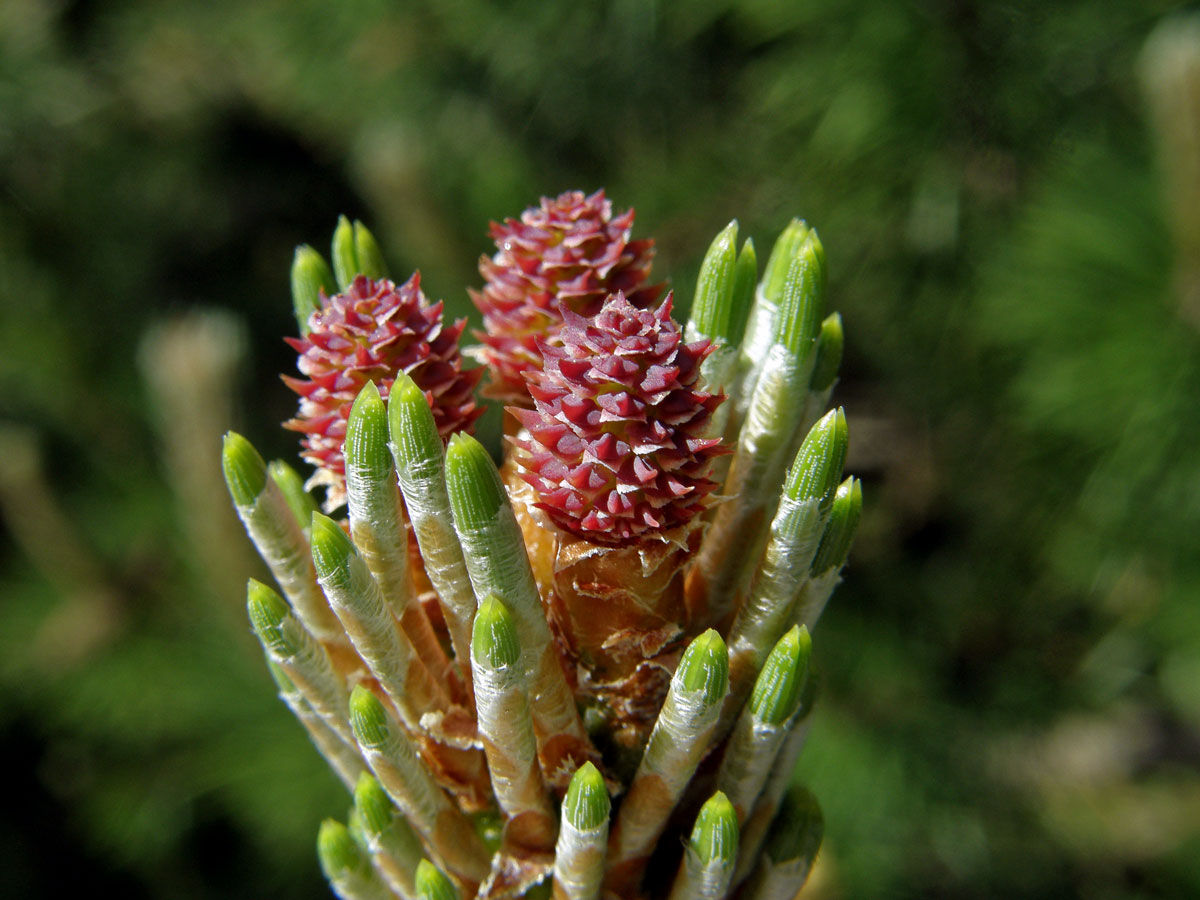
{"points": [[617, 450], [495, 643], [374, 807], [765, 721], [347, 865], [372, 331], [568, 254]]}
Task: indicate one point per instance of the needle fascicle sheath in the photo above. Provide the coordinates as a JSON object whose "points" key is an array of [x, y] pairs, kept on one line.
{"points": [[432, 884], [347, 866], [377, 524], [355, 252], [311, 277], [299, 501], [419, 457], [760, 327], [828, 359], [445, 830], [342, 757], [497, 562], [754, 829], [505, 726], [724, 293], [790, 852], [734, 541], [582, 837], [305, 662], [713, 304], [681, 736], [745, 281], [712, 310], [765, 722], [831, 343], [274, 530], [795, 535], [711, 853], [357, 600], [394, 845], [826, 569]]}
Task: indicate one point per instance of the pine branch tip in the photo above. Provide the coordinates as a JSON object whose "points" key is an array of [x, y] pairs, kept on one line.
{"points": [[715, 834], [587, 804], [369, 718], [494, 639], [705, 666], [331, 548], [432, 884], [245, 470]]}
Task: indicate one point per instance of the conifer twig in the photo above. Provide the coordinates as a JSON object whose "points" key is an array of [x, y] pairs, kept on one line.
{"points": [[394, 760], [754, 829], [764, 722], [760, 328], [395, 847], [734, 541], [419, 458], [679, 740], [356, 598], [342, 757], [791, 850], [794, 539], [275, 532], [494, 551], [305, 662], [377, 525], [506, 728]]}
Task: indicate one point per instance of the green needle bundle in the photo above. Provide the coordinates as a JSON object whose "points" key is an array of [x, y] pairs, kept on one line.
{"points": [[584, 672]]}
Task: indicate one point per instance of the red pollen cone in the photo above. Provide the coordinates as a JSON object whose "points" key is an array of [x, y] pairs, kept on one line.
{"points": [[371, 332]]}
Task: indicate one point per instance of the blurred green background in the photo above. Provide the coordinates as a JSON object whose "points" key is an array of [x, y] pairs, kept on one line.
{"points": [[1009, 194]]}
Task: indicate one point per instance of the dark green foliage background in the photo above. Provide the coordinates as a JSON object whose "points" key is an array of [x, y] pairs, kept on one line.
{"points": [[1012, 702]]}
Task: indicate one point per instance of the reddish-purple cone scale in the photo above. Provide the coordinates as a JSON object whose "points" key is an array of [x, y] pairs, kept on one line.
{"points": [[568, 254], [371, 332], [616, 451]]}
